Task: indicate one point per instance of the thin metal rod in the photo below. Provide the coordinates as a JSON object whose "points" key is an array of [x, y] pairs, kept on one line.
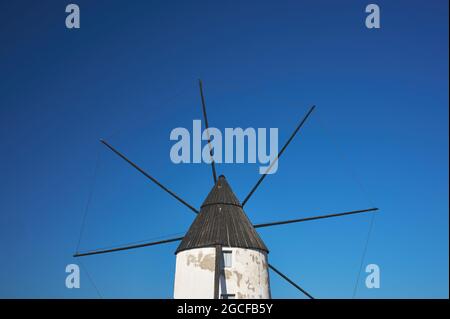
{"points": [[150, 177], [314, 218], [279, 154], [290, 281], [217, 270], [104, 251], [213, 164]]}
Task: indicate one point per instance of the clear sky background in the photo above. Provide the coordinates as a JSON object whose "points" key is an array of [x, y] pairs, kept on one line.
{"points": [[377, 138]]}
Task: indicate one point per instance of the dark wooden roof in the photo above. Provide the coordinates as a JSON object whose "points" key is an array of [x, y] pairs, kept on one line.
{"points": [[221, 221]]}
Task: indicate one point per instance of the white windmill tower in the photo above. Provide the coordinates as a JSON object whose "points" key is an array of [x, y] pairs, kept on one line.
{"points": [[221, 255]]}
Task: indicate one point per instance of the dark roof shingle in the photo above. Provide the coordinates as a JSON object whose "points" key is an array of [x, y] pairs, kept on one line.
{"points": [[221, 221]]}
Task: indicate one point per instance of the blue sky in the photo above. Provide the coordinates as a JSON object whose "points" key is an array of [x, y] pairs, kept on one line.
{"points": [[379, 137]]}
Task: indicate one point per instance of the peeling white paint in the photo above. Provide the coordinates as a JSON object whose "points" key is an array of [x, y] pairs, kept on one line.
{"points": [[248, 277]]}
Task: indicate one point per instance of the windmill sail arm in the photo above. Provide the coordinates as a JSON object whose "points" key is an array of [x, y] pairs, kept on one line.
{"points": [[290, 221], [110, 250], [213, 165], [154, 180], [290, 281], [299, 126]]}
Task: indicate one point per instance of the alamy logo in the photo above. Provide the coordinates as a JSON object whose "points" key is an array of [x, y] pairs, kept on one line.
{"points": [[73, 18], [228, 149], [373, 277], [73, 277], [373, 18]]}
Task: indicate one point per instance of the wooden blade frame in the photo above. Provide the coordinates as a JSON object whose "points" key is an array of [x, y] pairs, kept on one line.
{"points": [[154, 180], [279, 155], [104, 251], [315, 217], [213, 164], [290, 281]]}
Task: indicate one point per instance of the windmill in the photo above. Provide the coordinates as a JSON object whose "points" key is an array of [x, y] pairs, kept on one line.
{"points": [[221, 255]]}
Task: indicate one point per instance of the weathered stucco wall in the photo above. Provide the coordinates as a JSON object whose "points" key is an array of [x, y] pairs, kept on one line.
{"points": [[247, 277], [194, 274]]}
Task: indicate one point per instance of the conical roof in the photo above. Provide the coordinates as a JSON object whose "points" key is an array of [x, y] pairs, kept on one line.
{"points": [[221, 221]]}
